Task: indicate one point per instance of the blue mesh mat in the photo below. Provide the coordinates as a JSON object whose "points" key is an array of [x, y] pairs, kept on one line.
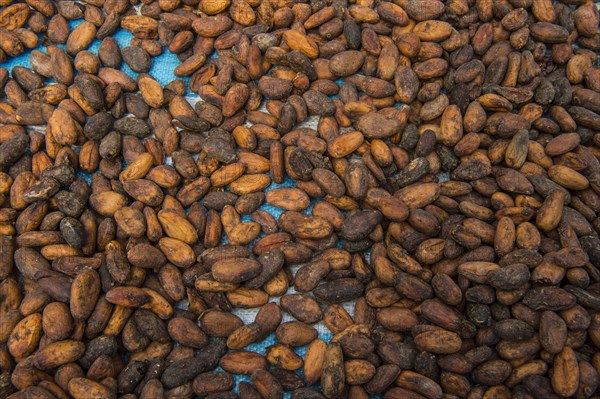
{"points": [[162, 66], [162, 70]]}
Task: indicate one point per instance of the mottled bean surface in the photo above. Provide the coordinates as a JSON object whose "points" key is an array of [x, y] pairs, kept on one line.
{"points": [[434, 166]]}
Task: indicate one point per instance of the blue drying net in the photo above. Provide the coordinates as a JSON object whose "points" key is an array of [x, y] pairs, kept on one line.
{"points": [[162, 70]]}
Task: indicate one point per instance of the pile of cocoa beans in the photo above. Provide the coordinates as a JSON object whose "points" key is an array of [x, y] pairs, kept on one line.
{"points": [[435, 166]]}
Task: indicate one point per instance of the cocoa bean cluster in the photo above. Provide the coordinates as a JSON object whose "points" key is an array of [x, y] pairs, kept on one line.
{"points": [[444, 157]]}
